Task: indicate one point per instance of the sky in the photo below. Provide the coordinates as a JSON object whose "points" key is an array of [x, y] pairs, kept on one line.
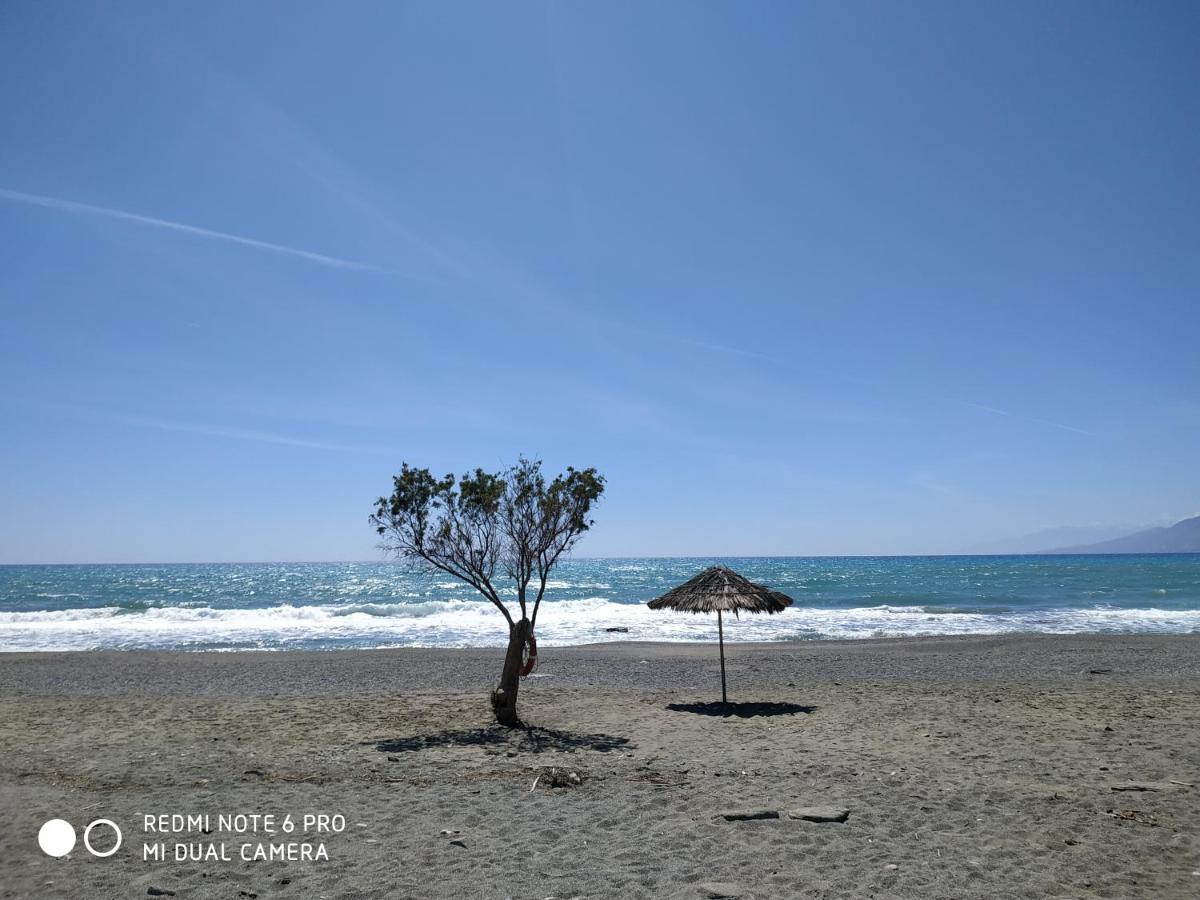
{"points": [[798, 278]]}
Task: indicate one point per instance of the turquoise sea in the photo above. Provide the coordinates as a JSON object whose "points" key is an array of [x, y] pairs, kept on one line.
{"points": [[329, 605]]}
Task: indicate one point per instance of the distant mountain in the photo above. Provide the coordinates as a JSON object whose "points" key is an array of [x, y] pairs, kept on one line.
{"points": [[1038, 541], [1182, 537]]}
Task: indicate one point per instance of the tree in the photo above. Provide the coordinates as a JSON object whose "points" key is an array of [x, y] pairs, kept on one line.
{"points": [[511, 523]]}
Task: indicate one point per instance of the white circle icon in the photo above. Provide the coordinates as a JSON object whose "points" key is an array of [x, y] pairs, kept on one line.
{"points": [[56, 837], [87, 835]]}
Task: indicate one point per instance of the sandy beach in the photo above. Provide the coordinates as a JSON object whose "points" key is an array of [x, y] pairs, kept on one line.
{"points": [[1033, 766]]}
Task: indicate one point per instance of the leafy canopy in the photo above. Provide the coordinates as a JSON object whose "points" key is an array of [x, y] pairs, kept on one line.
{"points": [[483, 525]]}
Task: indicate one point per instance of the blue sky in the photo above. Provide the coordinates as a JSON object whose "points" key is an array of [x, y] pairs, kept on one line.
{"points": [[798, 278]]}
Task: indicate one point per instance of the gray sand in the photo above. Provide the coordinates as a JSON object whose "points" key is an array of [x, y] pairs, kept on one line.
{"points": [[970, 767]]}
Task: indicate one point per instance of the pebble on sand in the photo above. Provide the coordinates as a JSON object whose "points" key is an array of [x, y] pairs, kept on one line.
{"points": [[749, 816], [1141, 786], [820, 813]]}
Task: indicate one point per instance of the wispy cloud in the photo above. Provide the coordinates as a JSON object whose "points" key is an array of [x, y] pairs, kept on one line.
{"points": [[930, 481], [851, 379], [256, 120], [225, 431], [1003, 412], [721, 348], [121, 215]]}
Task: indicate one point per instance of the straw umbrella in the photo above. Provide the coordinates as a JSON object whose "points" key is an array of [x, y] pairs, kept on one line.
{"points": [[719, 589]]}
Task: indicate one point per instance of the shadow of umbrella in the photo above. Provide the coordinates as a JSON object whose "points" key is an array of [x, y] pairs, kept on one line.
{"points": [[719, 589], [741, 710]]}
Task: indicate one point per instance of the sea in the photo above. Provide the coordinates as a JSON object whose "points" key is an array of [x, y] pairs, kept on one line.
{"points": [[325, 606]]}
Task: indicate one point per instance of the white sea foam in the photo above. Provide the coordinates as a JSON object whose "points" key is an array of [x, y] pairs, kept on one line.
{"points": [[472, 623]]}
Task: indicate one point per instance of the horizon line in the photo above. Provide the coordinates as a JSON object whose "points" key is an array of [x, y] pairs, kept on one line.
{"points": [[702, 556]]}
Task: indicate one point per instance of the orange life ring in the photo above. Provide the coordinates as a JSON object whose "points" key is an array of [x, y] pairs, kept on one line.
{"points": [[531, 657]]}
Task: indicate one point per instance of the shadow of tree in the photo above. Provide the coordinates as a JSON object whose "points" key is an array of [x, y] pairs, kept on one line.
{"points": [[525, 740], [741, 710]]}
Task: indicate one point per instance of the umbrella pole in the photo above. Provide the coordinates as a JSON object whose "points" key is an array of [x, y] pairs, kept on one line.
{"points": [[721, 640]]}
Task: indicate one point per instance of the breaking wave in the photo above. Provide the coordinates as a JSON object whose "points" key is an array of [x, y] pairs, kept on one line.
{"points": [[473, 623]]}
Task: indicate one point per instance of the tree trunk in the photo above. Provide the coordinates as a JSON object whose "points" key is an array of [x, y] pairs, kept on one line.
{"points": [[504, 697]]}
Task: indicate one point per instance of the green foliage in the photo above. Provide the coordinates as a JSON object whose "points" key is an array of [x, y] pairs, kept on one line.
{"points": [[484, 524]]}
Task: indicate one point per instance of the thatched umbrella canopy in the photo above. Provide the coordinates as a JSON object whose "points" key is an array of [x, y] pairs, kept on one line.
{"points": [[720, 589]]}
